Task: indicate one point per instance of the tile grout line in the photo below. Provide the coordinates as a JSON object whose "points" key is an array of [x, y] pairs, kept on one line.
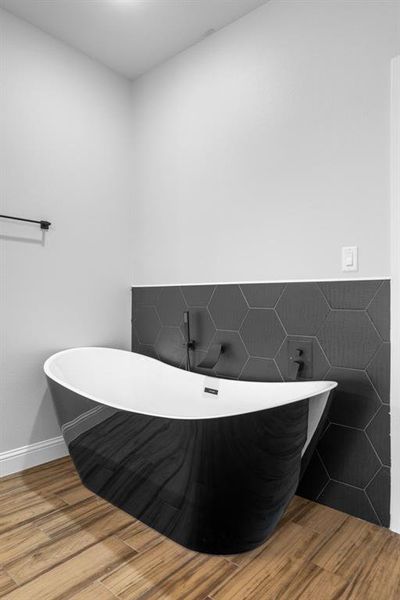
{"points": [[375, 295]]}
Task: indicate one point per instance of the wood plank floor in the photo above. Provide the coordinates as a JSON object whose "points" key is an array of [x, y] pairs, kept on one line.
{"points": [[59, 541]]}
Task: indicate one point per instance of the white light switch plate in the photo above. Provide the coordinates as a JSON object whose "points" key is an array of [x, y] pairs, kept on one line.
{"points": [[350, 258]]}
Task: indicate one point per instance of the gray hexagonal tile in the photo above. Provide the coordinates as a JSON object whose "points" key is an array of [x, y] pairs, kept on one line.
{"points": [[147, 351], [202, 328], [170, 346], [354, 401], [145, 296], [147, 324], [348, 339], [378, 492], [260, 369], [348, 455], [349, 294], [302, 308], [228, 307], [379, 311], [320, 364], [171, 306], [234, 355], [197, 295], [314, 479], [262, 332], [262, 295], [134, 340], [378, 432], [379, 372], [349, 500]]}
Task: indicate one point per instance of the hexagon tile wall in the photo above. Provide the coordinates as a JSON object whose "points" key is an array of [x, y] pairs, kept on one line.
{"points": [[348, 323]]}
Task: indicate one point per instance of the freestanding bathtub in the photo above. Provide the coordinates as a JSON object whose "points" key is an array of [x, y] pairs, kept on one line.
{"points": [[210, 463]]}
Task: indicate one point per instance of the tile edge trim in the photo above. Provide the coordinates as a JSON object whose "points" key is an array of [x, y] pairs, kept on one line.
{"points": [[315, 280]]}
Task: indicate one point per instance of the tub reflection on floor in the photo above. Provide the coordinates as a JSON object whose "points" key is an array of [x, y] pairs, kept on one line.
{"points": [[213, 470]]}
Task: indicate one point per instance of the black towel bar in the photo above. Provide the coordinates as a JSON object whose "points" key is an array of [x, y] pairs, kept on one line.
{"points": [[43, 224]]}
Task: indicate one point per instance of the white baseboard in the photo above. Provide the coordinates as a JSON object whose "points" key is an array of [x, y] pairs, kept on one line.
{"points": [[26, 457]]}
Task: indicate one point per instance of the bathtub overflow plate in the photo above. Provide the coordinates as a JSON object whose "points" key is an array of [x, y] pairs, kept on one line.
{"points": [[210, 387]]}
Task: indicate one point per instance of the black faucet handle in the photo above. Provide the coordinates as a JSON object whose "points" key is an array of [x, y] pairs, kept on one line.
{"points": [[296, 364]]}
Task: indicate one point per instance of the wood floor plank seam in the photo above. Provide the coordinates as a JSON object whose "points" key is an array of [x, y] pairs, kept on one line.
{"points": [[226, 580], [142, 554], [29, 590], [30, 520], [69, 509], [7, 583], [129, 546], [35, 481], [69, 530], [10, 576], [57, 563], [39, 501], [103, 586]]}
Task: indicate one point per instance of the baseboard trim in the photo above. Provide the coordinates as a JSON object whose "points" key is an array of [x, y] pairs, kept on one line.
{"points": [[26, 457]]}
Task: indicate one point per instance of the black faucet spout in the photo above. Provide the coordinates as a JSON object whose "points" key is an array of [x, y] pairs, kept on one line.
{"points": [[212, 357]]}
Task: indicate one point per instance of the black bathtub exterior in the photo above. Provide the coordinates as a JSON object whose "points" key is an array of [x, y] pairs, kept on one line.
{"points": [[217, 486]]}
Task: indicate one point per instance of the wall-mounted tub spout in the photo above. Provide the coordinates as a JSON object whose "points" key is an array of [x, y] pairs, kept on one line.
{"points": [[212, 357]]}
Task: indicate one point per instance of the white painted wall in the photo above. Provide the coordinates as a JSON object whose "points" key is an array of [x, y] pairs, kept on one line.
{"points": [[261, 151], [64, 151]]}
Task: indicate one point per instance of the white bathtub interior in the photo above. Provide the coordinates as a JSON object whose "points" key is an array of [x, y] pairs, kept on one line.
{"points": [[132, 382]]}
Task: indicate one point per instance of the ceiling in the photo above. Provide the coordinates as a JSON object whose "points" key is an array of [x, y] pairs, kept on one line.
{"points": [[130, 36]]}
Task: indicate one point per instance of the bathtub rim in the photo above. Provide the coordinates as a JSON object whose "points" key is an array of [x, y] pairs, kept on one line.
{"points": [[328, 386]]}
